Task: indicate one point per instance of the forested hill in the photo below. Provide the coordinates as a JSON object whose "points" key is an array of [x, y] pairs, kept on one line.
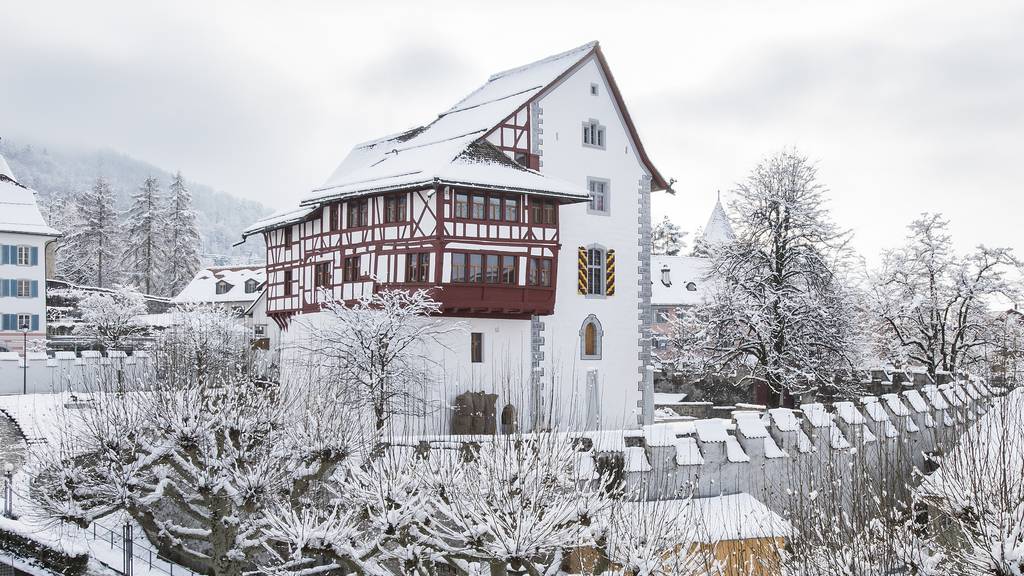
{"points": [[220, 216]]}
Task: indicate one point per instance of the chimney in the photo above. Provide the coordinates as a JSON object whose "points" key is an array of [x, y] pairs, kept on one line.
{"points": [[666, 275]]}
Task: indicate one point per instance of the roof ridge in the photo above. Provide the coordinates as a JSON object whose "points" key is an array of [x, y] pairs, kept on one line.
{"points": [[584, 48]]}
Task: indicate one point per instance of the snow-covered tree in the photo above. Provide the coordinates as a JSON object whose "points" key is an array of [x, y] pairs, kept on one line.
{"points": [[199, 454], [667, 238], [92, 248], [181, 238], [144, 250], [976, 496], [376, 351], [934, 303], [112, 318], [60, 215], [779, 315]]}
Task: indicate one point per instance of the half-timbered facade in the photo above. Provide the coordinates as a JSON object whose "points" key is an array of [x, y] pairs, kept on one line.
{"points": [[525, 210]]}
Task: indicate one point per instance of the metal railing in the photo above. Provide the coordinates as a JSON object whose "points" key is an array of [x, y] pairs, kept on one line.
{"points": [[133, 551]]}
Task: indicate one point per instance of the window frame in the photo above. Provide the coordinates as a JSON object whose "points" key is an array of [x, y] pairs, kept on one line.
{"points": [[350, 269], [487, 207], [27, 251], [606, 192], [259, 330], [595, 134], [322, 275], [250, 282], [28, 320], [602, 277], [17, 288], [357, 210], [591, 322], [484, 258], [396, 208], [289, 278], [534, 269], [223, 284], [476, 347], [543, 212], [417, 268]]}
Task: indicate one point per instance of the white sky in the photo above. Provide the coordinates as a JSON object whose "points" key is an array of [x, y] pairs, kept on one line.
{"points": [[907, 106]]}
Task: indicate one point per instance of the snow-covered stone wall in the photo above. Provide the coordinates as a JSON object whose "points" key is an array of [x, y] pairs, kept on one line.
{"points": [[66, 371]]}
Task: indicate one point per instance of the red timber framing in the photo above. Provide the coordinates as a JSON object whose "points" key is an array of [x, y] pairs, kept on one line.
{"points": [[429, 226], [514, 137]]}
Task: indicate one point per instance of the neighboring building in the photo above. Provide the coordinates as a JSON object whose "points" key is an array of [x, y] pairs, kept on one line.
{"points": [[236, 287], [24, 236], [264, 331], [526, 209]]}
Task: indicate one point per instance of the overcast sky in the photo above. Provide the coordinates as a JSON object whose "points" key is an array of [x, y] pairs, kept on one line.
{"points": [[906, 106]]}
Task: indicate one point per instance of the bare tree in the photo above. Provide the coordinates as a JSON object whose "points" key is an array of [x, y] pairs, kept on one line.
{"points": [[977, 494], [377, 351], [933, 303], [779, 315]]}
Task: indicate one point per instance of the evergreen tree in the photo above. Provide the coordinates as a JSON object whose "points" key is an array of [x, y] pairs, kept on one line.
{"points": [[144, 250], [181, 238], [91, 248], [59, 212], [667, 238]]}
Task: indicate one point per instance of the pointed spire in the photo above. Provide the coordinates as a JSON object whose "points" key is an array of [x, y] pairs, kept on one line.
{"points": [[718, 230], [5, 169]]}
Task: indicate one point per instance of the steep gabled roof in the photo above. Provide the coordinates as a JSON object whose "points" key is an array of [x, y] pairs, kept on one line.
{"points": [[719, 230], [19, 211], [431, 154], [203, 287]]}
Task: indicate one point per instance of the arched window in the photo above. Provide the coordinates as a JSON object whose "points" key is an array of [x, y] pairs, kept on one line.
{"points": [[591, 335]]}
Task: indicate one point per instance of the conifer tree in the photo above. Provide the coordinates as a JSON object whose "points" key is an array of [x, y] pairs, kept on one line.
{"points": [[667, 238], [181, 238], [91, 248], [144, 251]]}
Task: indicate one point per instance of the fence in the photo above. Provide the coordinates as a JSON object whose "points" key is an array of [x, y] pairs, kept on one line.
{"points": [[65, 371]]}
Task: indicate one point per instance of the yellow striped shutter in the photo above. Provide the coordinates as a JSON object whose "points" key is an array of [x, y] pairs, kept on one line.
{"points": [[581, 262], [610, 273]]}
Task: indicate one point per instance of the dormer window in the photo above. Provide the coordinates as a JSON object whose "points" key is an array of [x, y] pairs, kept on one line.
{"points": [[666, 276], [691, 287], [223, 287], [250, 286], [593, 134]]}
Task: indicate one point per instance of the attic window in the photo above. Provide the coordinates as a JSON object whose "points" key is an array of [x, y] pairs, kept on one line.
{"points": [[593, 89], [691, 287], [223, 287], [250, 286], [593, 134], [666, 276]]}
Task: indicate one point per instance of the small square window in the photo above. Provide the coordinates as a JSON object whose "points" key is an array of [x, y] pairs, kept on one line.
{"points": [[259, 330], [476, 347]]}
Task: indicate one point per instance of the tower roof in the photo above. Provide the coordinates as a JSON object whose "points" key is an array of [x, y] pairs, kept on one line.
{"points": [[718, 230], [5, 169]]}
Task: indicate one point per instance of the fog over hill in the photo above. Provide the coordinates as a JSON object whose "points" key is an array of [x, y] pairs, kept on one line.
{"points": [[55, 170]]}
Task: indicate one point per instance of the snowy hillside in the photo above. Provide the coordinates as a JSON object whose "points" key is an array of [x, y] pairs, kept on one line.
{"points": [[221, 216]]}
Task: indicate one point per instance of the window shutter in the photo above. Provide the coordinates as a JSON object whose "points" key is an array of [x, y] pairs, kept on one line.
{"points": [[581, 263], [34, 256], [35, 322], [610, 273], [3, 254], [35, 288], [8, 321]]}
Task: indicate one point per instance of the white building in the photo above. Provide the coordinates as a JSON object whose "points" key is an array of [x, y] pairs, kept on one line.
{"points": [[235, 287], [536, 176], [24, 236]]}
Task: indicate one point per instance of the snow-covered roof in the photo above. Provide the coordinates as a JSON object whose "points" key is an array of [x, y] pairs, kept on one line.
{"points": [[686, 284], [276, 220], [19, 211], [203, 287], [720, 518], [718, 230], [451, 149]]}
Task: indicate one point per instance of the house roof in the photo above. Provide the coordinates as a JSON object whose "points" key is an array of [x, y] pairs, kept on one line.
{"points": [[19, 211], [276, 220], [682, 271], [203, 287], [437, 152], [718, 518], [718, 230]]}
